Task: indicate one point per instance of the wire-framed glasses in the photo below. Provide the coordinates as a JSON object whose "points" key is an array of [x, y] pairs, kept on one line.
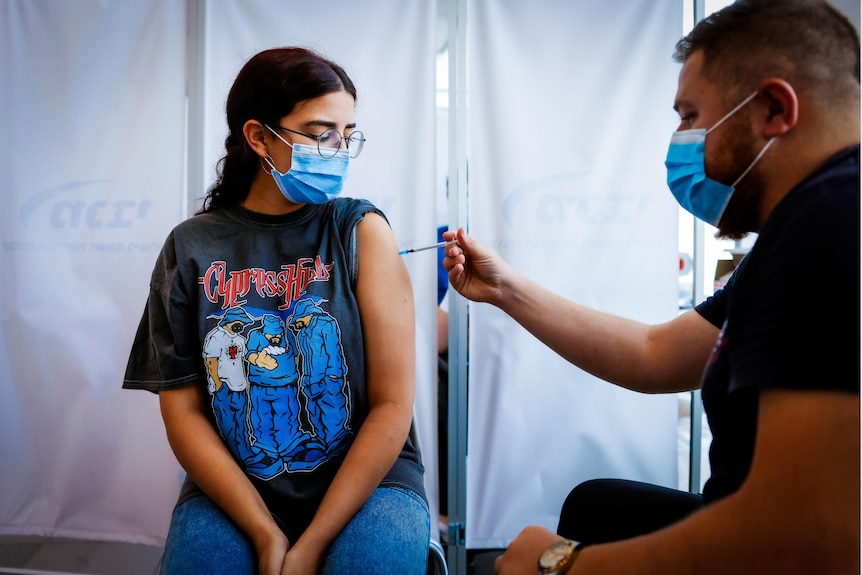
{"points": [[329, 142]]}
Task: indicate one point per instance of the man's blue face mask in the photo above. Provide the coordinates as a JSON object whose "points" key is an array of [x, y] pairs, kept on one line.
{"points": [[703, 197], [311, 179]]}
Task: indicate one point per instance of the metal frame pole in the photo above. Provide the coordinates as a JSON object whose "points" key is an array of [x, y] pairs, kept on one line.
{"points": [[196, 26], [697, 294], [458, 309]]}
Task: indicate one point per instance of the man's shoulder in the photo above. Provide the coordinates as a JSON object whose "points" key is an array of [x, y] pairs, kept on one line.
{"points": [[839, 173], [827, 200]]}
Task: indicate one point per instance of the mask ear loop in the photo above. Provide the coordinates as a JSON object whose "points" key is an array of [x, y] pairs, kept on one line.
{"points": [[276, 134], [726, 116], [751, 165], [267, 160]]}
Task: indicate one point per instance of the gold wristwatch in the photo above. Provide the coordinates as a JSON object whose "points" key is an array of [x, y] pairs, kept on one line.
{"points": [[558, 557]]}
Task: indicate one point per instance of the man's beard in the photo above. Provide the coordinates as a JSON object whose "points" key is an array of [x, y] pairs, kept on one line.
{"points": [[743, 210], [742, 214]]}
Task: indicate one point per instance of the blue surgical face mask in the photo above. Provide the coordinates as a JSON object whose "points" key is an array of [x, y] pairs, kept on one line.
{"points": [[703, 197], [311, 179]]}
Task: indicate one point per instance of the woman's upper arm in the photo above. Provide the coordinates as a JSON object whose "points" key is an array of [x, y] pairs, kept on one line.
{"points": [[385, 299], [186, 423], [177, 402]]}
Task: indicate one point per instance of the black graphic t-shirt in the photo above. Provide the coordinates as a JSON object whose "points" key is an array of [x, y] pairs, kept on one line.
{"points": [[261, 311]]}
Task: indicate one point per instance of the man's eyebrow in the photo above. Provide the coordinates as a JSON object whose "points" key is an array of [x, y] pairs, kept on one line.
{"points": [[681, 104]]}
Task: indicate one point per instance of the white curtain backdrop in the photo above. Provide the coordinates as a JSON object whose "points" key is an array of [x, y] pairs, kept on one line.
{"points": [[91, 152], [569, 116], [94, 156]]}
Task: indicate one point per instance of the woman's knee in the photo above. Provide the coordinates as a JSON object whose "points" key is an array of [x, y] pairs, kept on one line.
{"points": [[202, 539], [390, 533]]}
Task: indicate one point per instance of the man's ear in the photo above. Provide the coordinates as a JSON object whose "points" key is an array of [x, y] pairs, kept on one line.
{"points": [[777, 108], [255, 134]]}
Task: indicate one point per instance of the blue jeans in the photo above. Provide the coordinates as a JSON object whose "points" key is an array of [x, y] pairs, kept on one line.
{"points": [[389, 534]]}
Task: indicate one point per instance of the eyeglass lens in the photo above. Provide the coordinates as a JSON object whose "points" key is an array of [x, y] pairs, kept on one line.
{"points": [[329, 142]]}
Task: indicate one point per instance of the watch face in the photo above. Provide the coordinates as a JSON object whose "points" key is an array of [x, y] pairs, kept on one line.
{"points": [[554, 555]]}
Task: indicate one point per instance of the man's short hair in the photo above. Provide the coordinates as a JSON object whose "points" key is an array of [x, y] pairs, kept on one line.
{"points": [[808, 43]]}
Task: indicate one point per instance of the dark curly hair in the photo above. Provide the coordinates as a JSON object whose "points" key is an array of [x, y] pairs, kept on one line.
{"points": [[267, 88]]}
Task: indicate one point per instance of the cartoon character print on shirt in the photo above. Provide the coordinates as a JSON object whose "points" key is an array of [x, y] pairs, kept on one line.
{"points": [[279, 395], [275, 414], [324, 373], [224, 358]]}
